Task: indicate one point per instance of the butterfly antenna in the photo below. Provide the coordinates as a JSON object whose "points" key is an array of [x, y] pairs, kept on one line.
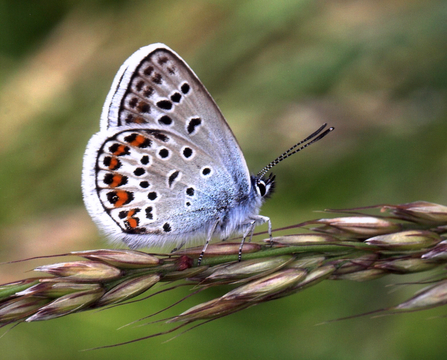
{"points": [[312, 138]]}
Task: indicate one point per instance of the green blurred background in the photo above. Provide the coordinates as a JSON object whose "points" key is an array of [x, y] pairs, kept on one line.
{"points": [[376, 70]]}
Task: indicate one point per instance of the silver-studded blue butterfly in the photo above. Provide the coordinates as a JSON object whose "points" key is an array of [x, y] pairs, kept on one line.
{"points": [[165, 167]]}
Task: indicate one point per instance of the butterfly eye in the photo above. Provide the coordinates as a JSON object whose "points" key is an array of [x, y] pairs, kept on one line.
{"points": [[264, 186], [261, 188]]}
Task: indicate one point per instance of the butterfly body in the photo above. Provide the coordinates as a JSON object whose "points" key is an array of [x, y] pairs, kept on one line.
{"points": [[165, 167]]}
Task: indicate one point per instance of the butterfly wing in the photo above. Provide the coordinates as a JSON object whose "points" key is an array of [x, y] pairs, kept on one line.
{"points": [[165, 164]]}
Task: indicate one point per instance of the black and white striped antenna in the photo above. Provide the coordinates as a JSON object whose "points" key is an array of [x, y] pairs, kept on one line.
{"points": [[311, 139]]}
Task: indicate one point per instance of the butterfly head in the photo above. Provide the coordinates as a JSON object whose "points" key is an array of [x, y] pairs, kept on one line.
{"points": [[264, 186]]}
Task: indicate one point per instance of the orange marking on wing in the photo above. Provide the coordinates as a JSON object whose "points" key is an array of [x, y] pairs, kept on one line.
{"points": [[113, 163], [116, 180], [123, 197], [120, 150], [132, 222], [139, 120], [139, 139]]}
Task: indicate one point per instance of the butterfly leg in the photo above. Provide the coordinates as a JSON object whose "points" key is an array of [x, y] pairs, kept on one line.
{"points": [[208, 239], [269, 223], [178, 247], [264, 219], [251, 228]]}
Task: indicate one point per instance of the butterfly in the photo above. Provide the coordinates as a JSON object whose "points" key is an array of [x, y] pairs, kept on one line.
{"points": [[165, 167]]}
